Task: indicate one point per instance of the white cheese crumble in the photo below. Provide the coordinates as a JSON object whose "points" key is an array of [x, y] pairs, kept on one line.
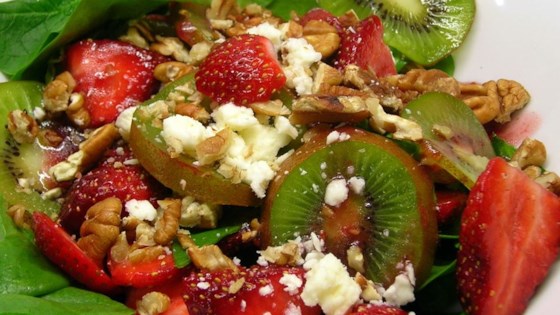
{"points": [[183, 133], [269, 31], [124, 121], [335, 136], [329, 285], [141, 209], [298, 57], [401, 292], [195, 214], [291, 282], [266, 290], [357, 184], [336, 192]]}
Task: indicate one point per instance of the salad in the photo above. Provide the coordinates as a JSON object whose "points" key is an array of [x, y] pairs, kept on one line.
{"points": [[242, 158]]}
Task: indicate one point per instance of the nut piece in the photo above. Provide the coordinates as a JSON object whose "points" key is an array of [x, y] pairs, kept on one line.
{"points": [[422, 80], [168, 224], [286, 254], [220, 9], [76, 111], [326, 108], [550, 181], [270, 108], [198, 214], [402, 129], [172, 70], [153, 303], [57, 93], [171, 46], [355, 258], [531, 152], [101, 228], [21, 217], [513, 96], [326, 76], [322, 36], [214, 148], [22, 126], [211, 258]]}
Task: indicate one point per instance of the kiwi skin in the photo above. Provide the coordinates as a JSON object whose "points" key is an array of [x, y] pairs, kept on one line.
{"points": [[425, 33], [425, 231]]}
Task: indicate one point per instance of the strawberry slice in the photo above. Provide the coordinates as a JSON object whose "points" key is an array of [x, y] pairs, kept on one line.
{"points": [[116, 176], [375, 309], [256, 290], [112, 75], [363, 46], [243, 70], [61, 249], [510, 236], [143, 273], [173, 288], [449, 204]]}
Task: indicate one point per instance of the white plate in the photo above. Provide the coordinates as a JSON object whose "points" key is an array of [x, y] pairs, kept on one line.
{"points": [[519, 40]]}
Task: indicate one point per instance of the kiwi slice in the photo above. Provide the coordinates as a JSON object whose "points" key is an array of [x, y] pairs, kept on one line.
{"points": [[424, 31], [392, 220], [18, 160], [181, 173], [453, 138]]}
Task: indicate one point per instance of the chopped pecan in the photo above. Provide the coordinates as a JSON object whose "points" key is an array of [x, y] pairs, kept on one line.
{"points": [[22, 126], [76, 111], [211, 258], [326, 108], [121, 251], [220, 9], [201, 215], [21, 217], [369, 292], [531, 152], [133, 36], [101, 228], [494, 100], [550, 181], [57, 93], [200, 51], [292, 29], [89, 152], [171, 46], [171, 70], [322, 36], [192, 110], [422, 80], [214, 148], [270, 108], [168, 224], [153, 303], [355, 258], [382, 122], [325, 76], [287, 254]]}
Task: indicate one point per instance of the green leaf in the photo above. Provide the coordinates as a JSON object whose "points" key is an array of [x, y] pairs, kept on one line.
{"points": [[446, 65], [67, 301], [24, 269], [284, 8], [33, 30], [502, 148], [439, 271], [338, 8], [180, 256]]}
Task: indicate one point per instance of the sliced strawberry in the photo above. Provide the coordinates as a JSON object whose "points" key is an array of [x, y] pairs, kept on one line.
{"points": [[112, 75], [260, 292], [449, 204], [243, 70], [143, 273], [510, 236], [320, 14], [61, 249], [173, 288], [374, 309], [116, 176], [363, 46]]}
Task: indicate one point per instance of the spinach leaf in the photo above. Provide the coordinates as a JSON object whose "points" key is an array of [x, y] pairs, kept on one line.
{"points": [[180, 256], [24, 269], [283, 8], [502, 148], [67, 301], [32, 30]]}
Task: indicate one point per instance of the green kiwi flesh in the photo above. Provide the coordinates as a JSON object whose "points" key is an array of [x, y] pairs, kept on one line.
{"points": [[392, 221], [24, 95], [424, 31], [454, 139], [181, 174]]}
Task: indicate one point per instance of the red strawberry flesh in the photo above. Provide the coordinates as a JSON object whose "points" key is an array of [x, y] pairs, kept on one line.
{"points": [[510, 236], [243, 70], [112, 76], [363, 45], [145, 273], [61, 249]]}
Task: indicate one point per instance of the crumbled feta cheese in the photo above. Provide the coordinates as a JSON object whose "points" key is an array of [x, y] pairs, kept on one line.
{"points": [[269, 31], [183, 133], [259, 174], [124, 121], [335, 136], [39, 113], [291, 282], [357, 184], [235, 117], [336, 192], [329, 285], [266, 290], [292, 309], [298, 56], [141, 209], [401, 292]]}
